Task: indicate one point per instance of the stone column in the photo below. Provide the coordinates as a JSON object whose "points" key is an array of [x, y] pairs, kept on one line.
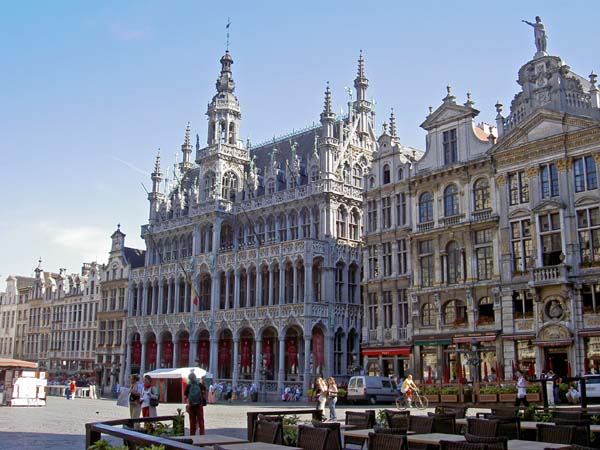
{"points": [[176, 351], [215, 290], [155, 295], [258, 360], [159, 352], [236, 365], [187, 304], [306, 380], [236, 288], [295, 284], [271, 276], [193, 351], [246, 301], [214, 349], [145, 311], [177, 296], [281, 371], [143, 361], [258, 291], [282, 299], [169, 297], [344, 359], [227, 305], [308, 282], [328, 370]]}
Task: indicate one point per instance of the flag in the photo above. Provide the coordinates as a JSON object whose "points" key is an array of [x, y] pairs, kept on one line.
{"points": [[194, 292], [568, 368]]}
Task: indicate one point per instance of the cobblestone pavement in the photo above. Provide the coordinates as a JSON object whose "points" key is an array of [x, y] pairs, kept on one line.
{"points": [[60, 425]]}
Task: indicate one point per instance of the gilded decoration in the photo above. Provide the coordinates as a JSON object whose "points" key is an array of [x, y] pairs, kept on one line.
{"points": [[563, 164], [501, 180], [554, 332]]}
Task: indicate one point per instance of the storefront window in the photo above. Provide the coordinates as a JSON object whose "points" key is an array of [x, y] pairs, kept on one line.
{"points": [[526, 357], [429, 364], [592, 354]]}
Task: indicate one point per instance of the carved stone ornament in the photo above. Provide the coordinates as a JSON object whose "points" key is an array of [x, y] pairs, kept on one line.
{"points": [[501, 180], [554, 309], [554, 332], [597, 157], [563, 164], [532, 172]]}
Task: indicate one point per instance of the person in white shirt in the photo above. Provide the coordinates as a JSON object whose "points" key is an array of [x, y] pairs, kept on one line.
{"points": [[521, 390], [573, 396]]}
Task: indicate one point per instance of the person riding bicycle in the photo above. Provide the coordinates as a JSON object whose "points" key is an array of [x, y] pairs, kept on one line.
{"points": [[408, 386]]}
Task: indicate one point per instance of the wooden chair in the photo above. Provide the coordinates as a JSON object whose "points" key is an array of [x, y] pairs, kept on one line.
{"points": [[508, 426], [582, 430], [463, 445], [482, 427], [493, 443], [460, 412], [444, 423], [421, 424], [397, 419], [382, 441], [362, 421], [312, 438], [556, 434], [268, 432], [334, 441]]}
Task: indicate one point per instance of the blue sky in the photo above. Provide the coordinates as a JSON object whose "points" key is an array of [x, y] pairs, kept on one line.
{"points": [[90, 90]]}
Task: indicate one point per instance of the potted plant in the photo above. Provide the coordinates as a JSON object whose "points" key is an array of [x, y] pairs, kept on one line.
{"points": [[342, 396], [533, 393], [449, 394], [488, 393], [311, 395], [290, 429], [432, 393], [508, 393]]}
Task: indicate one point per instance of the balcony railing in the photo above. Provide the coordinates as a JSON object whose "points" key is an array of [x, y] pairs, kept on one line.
{"points": [[550, 274], [451, 220], [425, 226], [480, 216]]}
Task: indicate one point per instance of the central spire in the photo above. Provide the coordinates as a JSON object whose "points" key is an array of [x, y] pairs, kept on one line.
{"points": [[225, 82], [361, 82]]}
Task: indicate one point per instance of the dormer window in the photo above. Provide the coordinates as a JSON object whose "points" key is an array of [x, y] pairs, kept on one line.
{"points": [[314, 173], [450, 147], [271, 187], [400, 174], [386, 174]]}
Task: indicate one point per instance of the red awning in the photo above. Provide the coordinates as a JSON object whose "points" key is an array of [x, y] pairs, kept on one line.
{"points": [[461, 340], [386, 351], [591, 333], [17, 363]]}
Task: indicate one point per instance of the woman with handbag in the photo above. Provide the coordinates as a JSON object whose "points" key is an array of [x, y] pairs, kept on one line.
{"points": [[321, 394], [149, 398], [135, 394]]}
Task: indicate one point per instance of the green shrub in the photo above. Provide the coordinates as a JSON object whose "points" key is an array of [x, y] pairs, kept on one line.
{"points": [[507, 389], [342, 392], [535, 389], [290, 430], [382, 418], [432, 390], [490, 389], [449, 390]]}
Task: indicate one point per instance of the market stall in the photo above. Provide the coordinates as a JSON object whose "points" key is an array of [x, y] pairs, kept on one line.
{"points": [[172, 382]]}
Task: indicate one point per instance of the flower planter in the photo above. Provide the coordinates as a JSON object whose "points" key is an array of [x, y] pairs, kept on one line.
{"points": [[508, 397], [486, 398], [449, 398], [533, 397], [432, 398]]}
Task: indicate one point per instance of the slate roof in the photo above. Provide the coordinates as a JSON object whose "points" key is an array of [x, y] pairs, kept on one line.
{"points": [[134, 256]]}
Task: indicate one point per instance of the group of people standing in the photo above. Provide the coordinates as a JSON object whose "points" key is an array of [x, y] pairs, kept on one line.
{"points": [[324, 392]]}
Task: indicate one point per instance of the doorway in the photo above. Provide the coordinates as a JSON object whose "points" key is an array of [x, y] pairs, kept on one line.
{"points": [[557, 361]]}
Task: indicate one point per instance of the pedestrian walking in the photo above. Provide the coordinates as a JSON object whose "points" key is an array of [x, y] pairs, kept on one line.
{"points": [[321, 393], [149, 398], [73, 388], [332, 395], [135, 395], [195, 395], [521, 390]]}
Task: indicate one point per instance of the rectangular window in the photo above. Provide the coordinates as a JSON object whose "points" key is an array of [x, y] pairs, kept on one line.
{"points": [[549, 180], [339, 283], [388, 316], [426, 263], [402, 256], [588, 230], [520, 231], [371, 215], [104, 300], [450, 147], [585, 174], [522, 304], [484, 254], [387, 258], [386, 212], [518, 188], [373, 261], [121, 299], [373, 311], [590, 295], [403, 308], [401, 209], [550, 239]]}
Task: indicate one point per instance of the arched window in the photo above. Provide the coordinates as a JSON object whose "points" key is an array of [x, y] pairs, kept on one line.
{"points": [[428, 315], [223, 132], [260, 231], [455, 313], [229, 189], [485, 311], [293, 223], [453, 263], [209, 185], [314, 173], [354, 221], [425, 207], [347, 174], [341, 222], [232, 133], [226, 236], [400, 174], [481, 194], [357, 175], [386, 174], [282, 228], [305, 221], [451, 201], [271, 187], [316, 218], [270, 229]]}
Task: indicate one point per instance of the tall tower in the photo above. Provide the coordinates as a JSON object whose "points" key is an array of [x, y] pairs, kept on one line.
{"points": [[222, 160], [155, 196], [362, 107], [186, 150], [327, 143]]}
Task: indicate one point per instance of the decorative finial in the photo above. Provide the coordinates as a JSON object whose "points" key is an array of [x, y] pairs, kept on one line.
{"points": [[188, 138], [361, 66], [499, 107], [449, 97], [227, 28], [157, 163], [327, 108], [385, 126], [392, 123], [449, 89], [593, 79], [469, 103], [430, 110], [118, 226], [197, 142]]}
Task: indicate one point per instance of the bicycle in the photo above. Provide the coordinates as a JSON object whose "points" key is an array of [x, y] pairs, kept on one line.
{"points": [[418, 401]]}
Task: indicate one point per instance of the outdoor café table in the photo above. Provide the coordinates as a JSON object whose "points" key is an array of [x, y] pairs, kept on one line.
{"points": [[364, 433], [257, 446], [530, 425], [210, 439], [517, 444], [434, 438]]}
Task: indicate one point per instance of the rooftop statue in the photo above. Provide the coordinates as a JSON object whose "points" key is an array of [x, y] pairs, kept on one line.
{"points": [[539, 33]]}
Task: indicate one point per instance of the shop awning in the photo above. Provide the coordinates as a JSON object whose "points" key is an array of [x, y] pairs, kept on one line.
{"points": [[17, 364], [467, 339], [518, 337], [591, 333], [386, 351], [553, 343], [433, 342]]}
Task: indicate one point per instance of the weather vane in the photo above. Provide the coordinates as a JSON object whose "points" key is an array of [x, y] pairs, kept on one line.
{"points": [[227, 28]]}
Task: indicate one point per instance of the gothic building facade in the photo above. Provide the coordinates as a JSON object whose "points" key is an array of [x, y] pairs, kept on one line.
{"points": [[253, 264]]}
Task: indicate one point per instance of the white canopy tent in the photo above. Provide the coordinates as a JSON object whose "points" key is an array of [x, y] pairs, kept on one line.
{"points": [[172, 382], [178, 372]]}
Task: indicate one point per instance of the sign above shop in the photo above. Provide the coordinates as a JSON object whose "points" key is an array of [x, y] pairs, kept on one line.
{"points": [[386, 351], [433, 342]]}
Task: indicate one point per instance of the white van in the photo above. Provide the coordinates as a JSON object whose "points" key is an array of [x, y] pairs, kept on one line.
{"points": [[372, 389]]}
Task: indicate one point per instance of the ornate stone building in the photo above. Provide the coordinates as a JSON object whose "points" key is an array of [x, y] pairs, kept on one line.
{"points": [[112, 310], [12, 315], [269, 237], [493, 234]]}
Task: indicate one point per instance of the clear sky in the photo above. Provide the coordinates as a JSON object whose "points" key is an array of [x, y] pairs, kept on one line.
{"points": [[90, 90]]}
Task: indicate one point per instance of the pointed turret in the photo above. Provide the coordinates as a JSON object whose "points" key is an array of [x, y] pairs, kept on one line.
{"points": [[360, 82], [225, 82], [156, 175], [327, 116], [186, 150], [393, 124]]}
